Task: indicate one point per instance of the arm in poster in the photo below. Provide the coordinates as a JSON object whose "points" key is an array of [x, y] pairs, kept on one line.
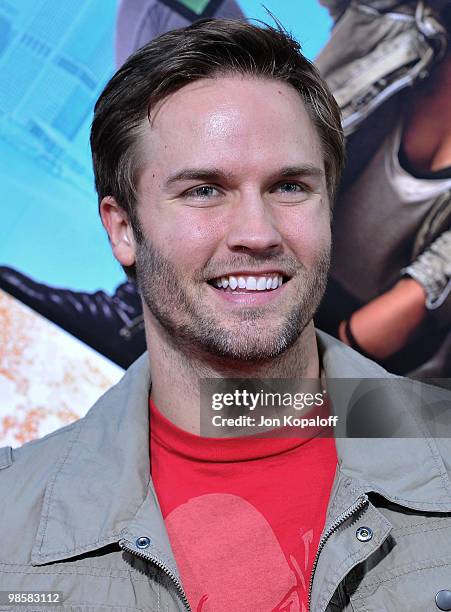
{"points": [[111, 324], [384, 326]]}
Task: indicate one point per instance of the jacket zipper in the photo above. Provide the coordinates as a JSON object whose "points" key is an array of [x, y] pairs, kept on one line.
{"points": [[357, 505], [161, 566]]}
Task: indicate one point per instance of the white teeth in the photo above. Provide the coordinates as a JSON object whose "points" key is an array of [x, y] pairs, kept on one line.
{"points": [[233, 283], [261, 283], [250, 283]]}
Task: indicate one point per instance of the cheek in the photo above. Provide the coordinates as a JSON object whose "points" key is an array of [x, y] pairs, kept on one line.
{"points": [[190, 236], [307, 233]]}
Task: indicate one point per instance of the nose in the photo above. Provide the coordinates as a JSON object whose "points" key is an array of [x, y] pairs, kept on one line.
{"points": [[252, 226]]}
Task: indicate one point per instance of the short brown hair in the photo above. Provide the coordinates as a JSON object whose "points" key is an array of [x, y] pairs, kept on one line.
{"points": [[205, 49]]}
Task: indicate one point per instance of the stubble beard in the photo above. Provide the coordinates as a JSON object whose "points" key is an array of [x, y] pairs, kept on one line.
{"points": [[192, 328]]}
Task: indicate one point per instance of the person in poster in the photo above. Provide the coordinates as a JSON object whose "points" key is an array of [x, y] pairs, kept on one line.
{"points": [[389, 293]]}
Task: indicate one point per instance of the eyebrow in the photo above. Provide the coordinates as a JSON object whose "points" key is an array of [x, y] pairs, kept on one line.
{"points": [[197, 174], [215, 174], [302, 170]]}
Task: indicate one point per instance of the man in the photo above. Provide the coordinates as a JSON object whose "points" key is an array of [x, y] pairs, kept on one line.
{"points": [[217, 149], [393, 301]]}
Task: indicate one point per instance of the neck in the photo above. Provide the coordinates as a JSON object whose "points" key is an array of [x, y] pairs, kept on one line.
{"points": [[176, 373]]}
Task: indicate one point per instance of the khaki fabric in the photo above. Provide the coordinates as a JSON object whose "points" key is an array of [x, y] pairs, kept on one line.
{"points": [[76, 503]]}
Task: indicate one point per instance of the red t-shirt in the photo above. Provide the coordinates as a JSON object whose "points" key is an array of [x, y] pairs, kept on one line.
{"points": [[244, 516]]}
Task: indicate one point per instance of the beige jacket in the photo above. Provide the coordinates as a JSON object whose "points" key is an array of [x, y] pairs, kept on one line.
{"points": [[80, 515]]}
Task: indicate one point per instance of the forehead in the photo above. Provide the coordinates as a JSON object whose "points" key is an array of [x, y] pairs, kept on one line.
{"points": [[234, 121]]}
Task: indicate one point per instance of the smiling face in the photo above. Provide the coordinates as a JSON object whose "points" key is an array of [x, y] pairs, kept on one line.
{"points": [[234, 211]]}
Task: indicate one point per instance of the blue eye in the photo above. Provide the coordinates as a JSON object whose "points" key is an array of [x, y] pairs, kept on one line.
{"points": [[291, 188], [203, 192]]}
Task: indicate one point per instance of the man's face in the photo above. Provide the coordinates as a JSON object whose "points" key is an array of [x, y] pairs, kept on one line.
{"points": [[233, 207]]}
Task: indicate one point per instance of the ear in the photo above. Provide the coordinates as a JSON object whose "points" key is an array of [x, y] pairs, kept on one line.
{"points": [[115, 221]]}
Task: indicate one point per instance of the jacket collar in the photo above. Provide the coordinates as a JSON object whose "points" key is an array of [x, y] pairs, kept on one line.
{"points": [[101, 490], [101, 485]]}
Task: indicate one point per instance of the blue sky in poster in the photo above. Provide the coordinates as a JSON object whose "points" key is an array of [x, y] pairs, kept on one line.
{"points": [[55, 57]]}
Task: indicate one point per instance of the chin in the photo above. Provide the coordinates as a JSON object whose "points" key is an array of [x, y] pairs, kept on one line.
{"points": [[249, 349]]}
